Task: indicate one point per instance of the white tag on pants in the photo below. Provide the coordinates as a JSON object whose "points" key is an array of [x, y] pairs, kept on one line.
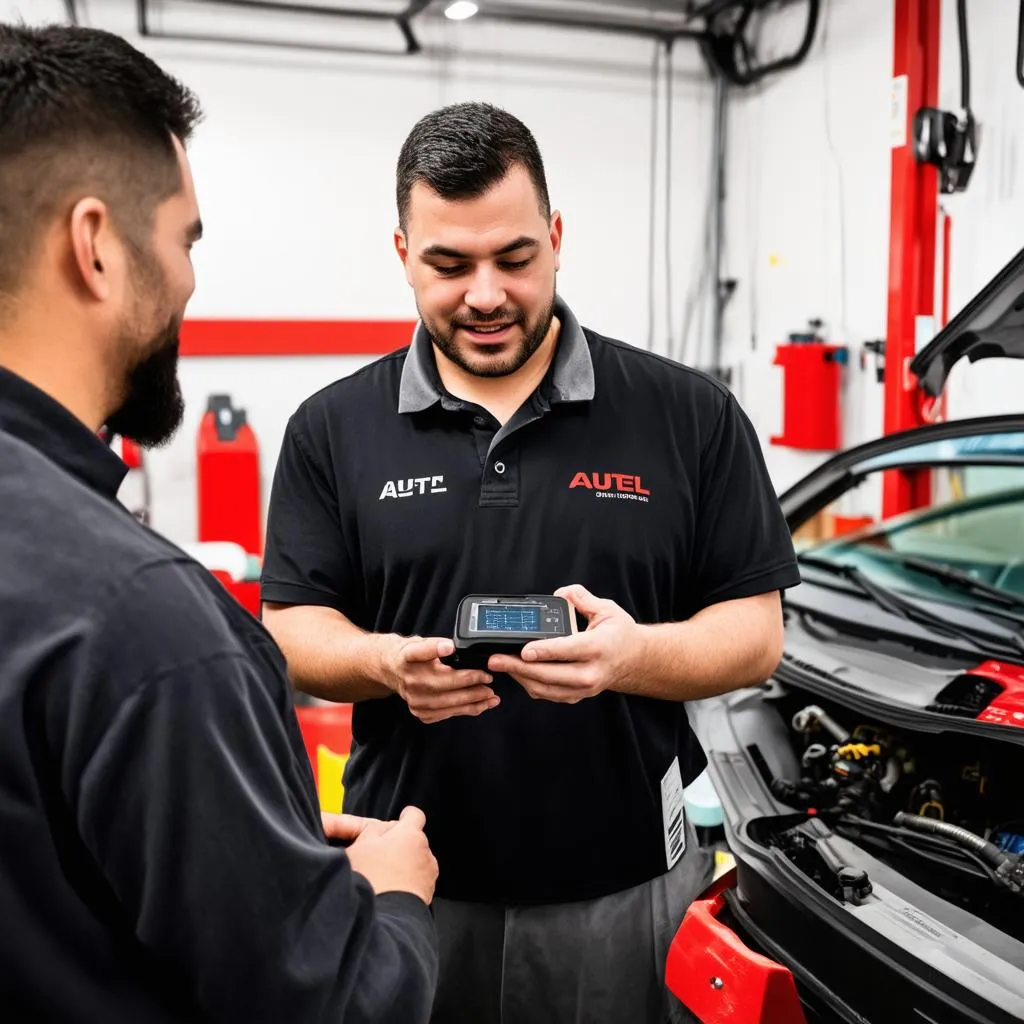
{"points": [[672, 811]]}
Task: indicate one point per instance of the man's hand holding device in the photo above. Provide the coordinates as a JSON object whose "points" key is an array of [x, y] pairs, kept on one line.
{"points": [[435, 691], [532, 637], [568, 669], [492, 624]]}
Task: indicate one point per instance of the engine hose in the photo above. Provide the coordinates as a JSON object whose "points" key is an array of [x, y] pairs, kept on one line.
{"points": [[892, 774], [803, 720], [986, 850]]}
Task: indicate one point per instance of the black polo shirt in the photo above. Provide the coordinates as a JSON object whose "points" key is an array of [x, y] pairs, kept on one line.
{"points": [[639, 478], [161, 852]]}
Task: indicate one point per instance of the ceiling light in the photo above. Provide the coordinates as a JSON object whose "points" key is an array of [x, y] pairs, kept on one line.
{"points": [[460, 10]]}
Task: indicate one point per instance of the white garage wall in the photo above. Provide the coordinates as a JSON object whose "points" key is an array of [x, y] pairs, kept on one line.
{"points": [[809, 188], [808, 199], [988, 219], [295, 172]]}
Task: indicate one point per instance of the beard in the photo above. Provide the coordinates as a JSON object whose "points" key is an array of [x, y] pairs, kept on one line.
{"points": [[444, 336], [153, 406]]}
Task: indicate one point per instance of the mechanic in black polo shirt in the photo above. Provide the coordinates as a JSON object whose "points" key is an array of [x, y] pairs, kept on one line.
{"points": [[162, 854], [509, 450]]}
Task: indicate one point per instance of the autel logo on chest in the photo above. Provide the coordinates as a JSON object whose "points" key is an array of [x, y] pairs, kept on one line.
{"points": [[612, 485], [413, 485]]}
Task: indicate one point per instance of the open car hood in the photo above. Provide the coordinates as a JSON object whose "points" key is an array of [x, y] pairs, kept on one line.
{"points": [[991, 324], [840, 641], [988, 440]]}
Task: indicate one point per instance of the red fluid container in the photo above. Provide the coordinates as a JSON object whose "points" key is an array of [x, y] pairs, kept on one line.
{"points": [[811, 402], [228, 478]]}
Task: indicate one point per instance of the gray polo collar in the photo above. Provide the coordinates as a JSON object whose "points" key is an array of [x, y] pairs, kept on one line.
{"points": [[572, 378]]}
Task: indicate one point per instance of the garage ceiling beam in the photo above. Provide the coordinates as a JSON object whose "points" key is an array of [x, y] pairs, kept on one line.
{"points": [[401, 18], [667, 30]]}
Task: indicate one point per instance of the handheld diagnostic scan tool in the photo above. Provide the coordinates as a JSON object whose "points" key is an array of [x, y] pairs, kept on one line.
{"points": [[487, 624]]}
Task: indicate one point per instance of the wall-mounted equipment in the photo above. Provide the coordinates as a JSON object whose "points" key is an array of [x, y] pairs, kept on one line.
{"points": [[945, 138], [229, 511], [812, 387], [228, 477]]}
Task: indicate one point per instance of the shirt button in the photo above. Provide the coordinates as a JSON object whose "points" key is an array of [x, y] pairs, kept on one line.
{"points": [[499, 468], [479, 421]]}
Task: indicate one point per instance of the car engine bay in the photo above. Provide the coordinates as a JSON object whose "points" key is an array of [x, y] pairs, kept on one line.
{"points": [[944, 809]]}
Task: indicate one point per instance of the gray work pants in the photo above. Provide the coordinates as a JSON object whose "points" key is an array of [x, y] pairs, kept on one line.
{"points": [[595, 962]]}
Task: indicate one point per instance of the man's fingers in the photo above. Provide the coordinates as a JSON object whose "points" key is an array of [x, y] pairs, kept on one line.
{"points": [[413, 817], [350, 827], [426, 649], [462, 710], [556, 694], [442, 700], [574, 650], [463, 680], [448, 681], [377, 828], [422, 652], [343, 826], [581, 599], [572, 675], [578, 647]]}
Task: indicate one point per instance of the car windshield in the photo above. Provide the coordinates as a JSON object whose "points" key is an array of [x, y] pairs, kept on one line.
{"points": [[967, 548]]}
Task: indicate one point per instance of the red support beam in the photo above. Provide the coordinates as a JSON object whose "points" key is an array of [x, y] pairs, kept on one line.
{"points": [[294, 337], [912, 239]]}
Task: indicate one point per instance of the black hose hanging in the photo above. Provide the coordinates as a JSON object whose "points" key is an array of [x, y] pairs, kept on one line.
{"points": [[965, 55], [1020, 45], [728, 52]]}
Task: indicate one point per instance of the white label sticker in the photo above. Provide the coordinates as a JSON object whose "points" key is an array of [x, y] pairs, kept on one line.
{"points": [[672, 813], [898, 112], [924, 331]]}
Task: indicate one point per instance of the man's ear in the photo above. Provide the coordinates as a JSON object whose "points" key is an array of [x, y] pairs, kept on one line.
{"points": [[402, 248], [556, 237], [94, 246]]}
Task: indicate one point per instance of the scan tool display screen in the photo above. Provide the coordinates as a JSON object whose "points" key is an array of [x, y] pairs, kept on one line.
{"points": [[509, 618], [487, 624]]}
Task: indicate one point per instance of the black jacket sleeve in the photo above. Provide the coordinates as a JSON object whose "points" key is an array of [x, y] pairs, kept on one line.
{"points": [[195, 798], [743, 546]]}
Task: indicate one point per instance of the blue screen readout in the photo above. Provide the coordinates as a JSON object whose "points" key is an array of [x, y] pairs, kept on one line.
{"points": [[509, 619]]}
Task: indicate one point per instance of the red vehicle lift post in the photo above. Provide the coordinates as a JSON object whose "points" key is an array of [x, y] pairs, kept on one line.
{"points": [[912, 238]]}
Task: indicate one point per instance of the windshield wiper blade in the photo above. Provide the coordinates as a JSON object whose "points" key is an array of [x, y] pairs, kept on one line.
{"points": [[882, 596], [966, 582], [896, 604]]}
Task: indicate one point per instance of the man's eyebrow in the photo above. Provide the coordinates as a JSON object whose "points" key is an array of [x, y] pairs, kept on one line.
{"points": [[195, 231], [434, 251]]}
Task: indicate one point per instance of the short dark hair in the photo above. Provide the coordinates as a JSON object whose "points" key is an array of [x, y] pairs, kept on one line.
{"points": [[82, 112], [462, 150]]}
